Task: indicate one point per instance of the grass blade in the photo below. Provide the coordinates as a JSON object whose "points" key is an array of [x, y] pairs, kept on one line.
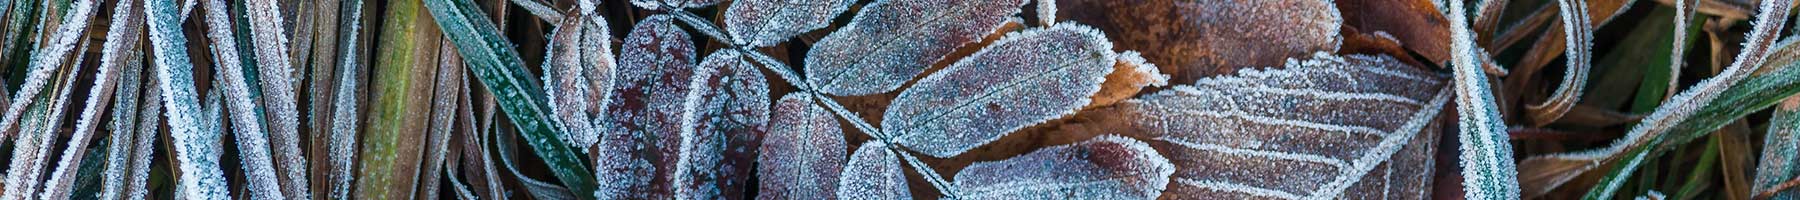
{"points": [[1486, 158], [252, 140], [401, 83], [283, 118], [346, 112], [1779, 150], [150, 112], [201, 180], [443, 117], [499, 68], [1575, 22]]}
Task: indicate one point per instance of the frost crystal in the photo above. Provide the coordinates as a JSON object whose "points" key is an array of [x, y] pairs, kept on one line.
{"points": [[1021, 80], [645, 111], [890, 42], [761, 23], [873, 173], [1311, 130], [1107, 167], [803, 153]]}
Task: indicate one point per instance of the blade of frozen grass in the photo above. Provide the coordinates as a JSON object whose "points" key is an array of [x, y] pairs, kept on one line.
{"points": [[498, 66], [241, 102], [1779, 150], [346, 112], [319, 94], [150, 112], [47, 128], [1486, 156], [35, 78], [87, 185], [1579, 52], [537, 8], [28, 153], [122, 40], [201, 179], [392, 145], [443, 118], [283, 118], [98, 96]]}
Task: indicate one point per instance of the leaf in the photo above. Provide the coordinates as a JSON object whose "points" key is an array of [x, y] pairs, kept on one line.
{"points": [[118, 50], [98, 96], [1129, 77], [803, 155], [175, 75], [1021, 80], [1486, 158], [1107, 167], [490, 58], [762, 23], [673, 4], [1316, 128], [271, 44], [1416, 24], [890, 42], [577, 89], [1219, 36], [346, 113], [873, 173], [1781, 150], [1580, 51], [644, 111], [728, 113], [149, 113], [446, 90]]}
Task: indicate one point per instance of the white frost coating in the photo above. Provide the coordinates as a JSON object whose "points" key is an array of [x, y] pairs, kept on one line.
{"points": [[46, 60], [252, 139], [1765, 31], [1046, 10], [803, 155], [892, 41], [344, 126], [762, 23], [1309, 130], [1106, 167], [1487, 157], [1021, 80], [283, 115], [873, 173], [99, 95]]}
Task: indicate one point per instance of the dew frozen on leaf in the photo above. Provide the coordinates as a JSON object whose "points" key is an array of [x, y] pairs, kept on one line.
{"points": [[874, 172], [1021, 80], [1106, 167], [728, 114], [1313, 129], [761, 23], [803, 153], [890, 42], [1219, 36], [566, 84], [644, 111]]}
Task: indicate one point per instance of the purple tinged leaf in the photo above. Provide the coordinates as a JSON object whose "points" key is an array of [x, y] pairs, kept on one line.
{"points": [[873, 173], [890, 42], [728, 114], [644, 110], [1313, 129], [803, 153], [1107, 167], [761, 23], [1021, 80]]}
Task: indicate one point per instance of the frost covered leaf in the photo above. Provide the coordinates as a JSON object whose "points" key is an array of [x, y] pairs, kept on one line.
{"points": [[873, 173], [673, 4], [1219, 36], [891, 41], [644, 111], [1580, 46], [1318, 128], [1022, 80], [1416, 24], [729, 112], [761, 23], [803, 153], [575, 89], [1107, 167], [1780, 150], [1129, 76]]}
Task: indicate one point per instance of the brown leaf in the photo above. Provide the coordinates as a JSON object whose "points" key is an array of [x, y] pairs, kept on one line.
{"points": [[1194, 39], [1417, 24]]}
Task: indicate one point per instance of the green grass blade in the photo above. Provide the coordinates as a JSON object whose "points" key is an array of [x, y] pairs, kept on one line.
{"points": [[176, 76], [1488, 168], [492, 59], [401, 82]]}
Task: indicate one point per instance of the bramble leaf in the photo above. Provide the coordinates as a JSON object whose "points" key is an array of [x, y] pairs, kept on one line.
{"points": [[1107, 167], [803, 153], [1316, 128], [1021, 80], [891, 41]]}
